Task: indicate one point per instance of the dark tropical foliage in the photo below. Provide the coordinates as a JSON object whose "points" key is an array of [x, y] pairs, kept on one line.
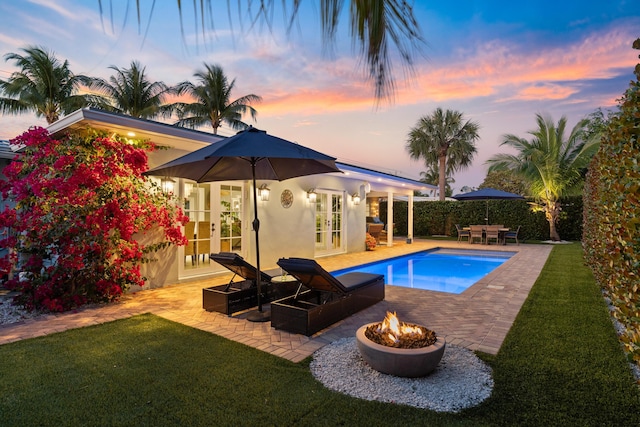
{"points": [[551, 163], [43, 85], [131, 92], [375, 26], [445, 139], [212, 101]]}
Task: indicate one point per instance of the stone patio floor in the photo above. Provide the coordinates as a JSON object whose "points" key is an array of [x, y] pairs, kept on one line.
{"points": [[478, 319]]}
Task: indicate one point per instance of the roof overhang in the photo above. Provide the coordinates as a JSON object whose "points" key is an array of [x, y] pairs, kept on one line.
{"points": [[159, 133], [381, 179]]}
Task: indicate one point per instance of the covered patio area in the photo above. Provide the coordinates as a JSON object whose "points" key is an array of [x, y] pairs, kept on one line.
{"points": [[477, 319]]}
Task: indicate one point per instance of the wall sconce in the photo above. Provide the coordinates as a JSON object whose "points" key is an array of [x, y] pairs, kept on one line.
{"points": [[312, 195], [167, 184], [355, 198], [264, 192]]}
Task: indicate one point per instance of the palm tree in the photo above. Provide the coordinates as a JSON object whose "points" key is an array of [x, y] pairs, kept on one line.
{"points": [[43, 85], [212, 101], [445, 139], [374, 25], [130, 92], [432, 176], [552, 164]]}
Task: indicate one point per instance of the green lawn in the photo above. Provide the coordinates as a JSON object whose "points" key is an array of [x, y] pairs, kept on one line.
{"points": [[561, 364]]}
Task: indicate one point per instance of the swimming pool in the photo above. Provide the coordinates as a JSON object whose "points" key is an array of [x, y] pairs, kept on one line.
{"points": [[443, 270]]}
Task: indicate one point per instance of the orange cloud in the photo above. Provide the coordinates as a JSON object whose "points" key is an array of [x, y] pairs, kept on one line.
{"points": [[494, 69]]}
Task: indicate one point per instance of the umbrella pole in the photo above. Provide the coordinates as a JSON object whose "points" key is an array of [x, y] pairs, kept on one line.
{"points": [[486, 215], [259, 315]]}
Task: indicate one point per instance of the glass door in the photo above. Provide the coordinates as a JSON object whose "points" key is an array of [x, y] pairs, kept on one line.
{"points": [[230, 218], [199, 230], [329, 224]]}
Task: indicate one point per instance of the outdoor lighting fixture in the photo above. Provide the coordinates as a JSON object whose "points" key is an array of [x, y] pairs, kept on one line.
{"points": [[167, 185], [264, 192], [356, 198], [312, 195]]}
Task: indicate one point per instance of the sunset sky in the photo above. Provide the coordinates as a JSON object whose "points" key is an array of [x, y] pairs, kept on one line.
{"points": [[497, 62]]}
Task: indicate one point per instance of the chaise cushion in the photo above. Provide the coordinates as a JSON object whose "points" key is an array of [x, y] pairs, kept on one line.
{"points": [[313, 276]]}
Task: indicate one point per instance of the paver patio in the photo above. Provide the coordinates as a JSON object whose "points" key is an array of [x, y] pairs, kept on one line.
{"points": [[477, 319]]}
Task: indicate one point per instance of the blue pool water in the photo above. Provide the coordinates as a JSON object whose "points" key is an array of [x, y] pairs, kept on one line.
{"points": [[443, 270]]}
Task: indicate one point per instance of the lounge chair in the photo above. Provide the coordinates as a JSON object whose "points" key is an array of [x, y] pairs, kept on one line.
{"points": [[512, 235], [243, 294], [328, 298], [476, 232], [462, 233]]}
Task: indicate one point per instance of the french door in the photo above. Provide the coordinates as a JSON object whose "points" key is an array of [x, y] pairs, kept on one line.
{"points": [[329, 225], [215, 225]]}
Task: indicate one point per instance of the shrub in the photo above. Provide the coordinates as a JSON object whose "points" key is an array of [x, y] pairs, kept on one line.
{"points": [[440, 218], [612, 215], [78, 203]]}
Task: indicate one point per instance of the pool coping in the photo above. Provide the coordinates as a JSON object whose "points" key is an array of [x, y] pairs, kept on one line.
{"points": [[477, 319]]}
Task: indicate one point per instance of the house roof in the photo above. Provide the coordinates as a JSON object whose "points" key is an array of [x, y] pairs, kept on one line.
{"points": [[377, 178], [160, 133], [192, 140], [5, 150]]}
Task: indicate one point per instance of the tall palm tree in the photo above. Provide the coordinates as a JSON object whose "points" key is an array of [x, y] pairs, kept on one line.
{"points": [[213, 103], [375, 26], [432, 176], [43, 85], [130, 92], [552, 164], [445, 139]]}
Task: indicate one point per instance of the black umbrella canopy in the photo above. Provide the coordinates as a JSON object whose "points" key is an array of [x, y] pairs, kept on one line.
{"points": [[487, 194], [250, 154], [232, 159]]}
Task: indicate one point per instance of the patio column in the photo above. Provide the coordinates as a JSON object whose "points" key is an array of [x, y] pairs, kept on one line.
{"points": [[410, 218], [390, 218]]}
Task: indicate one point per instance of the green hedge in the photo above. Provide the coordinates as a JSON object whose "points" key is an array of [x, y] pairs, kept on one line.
{"points": [[440, 218], [612, 216]]}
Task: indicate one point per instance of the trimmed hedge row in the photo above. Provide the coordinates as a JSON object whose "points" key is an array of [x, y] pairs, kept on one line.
{"points": [[612, 216], [439, 218]]}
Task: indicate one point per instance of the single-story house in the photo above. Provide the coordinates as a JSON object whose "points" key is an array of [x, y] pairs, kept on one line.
{"points": [[309, 217]]}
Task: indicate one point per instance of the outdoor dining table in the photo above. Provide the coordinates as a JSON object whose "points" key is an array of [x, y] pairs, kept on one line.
{"points": [[502, 231]]}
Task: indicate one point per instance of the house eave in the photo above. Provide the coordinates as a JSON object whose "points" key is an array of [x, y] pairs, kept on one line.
{"points": [[159, 133]]}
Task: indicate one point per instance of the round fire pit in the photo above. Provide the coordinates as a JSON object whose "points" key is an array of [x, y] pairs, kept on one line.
{"points": [[401, 362]]}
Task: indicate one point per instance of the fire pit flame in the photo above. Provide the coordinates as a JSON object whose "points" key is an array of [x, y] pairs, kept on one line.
{"points": [[393, 333], [395, 330]]}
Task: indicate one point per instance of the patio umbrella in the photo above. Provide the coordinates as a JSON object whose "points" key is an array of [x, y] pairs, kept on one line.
{"points": [[250, 154], [487, 194]]}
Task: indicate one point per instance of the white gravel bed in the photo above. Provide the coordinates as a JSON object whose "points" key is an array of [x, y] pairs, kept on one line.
{"points": [[460, 381], [11, 314]]}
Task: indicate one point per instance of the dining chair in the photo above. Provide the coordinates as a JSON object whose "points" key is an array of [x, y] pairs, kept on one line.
{"points": [[462, 233], [476, 232], [492, 232], [513, 235]]}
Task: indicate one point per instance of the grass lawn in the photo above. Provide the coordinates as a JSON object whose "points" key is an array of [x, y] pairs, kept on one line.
{"points": [[561, 364]]}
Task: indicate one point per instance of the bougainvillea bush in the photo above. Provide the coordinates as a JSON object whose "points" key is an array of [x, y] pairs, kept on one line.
{"points": [[612, 215], [77, 204]]}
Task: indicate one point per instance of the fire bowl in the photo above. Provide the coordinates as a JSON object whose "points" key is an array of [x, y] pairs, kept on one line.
{"points": [[401, 362]]}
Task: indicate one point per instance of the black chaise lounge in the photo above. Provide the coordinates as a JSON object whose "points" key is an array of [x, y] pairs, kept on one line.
{"points": [[327, 300], [238, 295]]}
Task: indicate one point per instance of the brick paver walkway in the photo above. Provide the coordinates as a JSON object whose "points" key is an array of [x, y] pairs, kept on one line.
{"points": [[478, 319]]}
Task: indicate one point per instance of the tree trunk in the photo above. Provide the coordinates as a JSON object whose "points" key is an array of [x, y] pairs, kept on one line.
{"points": [[552, 213], [442, 176]]}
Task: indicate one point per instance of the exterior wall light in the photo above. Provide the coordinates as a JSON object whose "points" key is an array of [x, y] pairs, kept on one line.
{"points": [[355, 198], [312, 195], [168, 185], [264, 192]]}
